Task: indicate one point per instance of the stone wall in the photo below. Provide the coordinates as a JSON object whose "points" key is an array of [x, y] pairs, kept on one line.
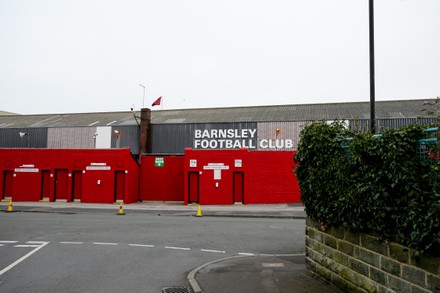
{"points": [[357, 262]]}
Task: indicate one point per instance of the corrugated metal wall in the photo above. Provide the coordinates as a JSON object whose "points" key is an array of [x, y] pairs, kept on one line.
{"points": [[382, 124], [70, 138], [277, 136], [174, 138], [128, 138], [34, 138]]}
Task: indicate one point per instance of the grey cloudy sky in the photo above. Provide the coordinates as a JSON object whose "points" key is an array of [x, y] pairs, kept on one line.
{"points": [[65, 56]]}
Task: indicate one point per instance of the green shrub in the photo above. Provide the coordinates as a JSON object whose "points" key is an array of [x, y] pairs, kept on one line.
{"points": [[377, 185]]}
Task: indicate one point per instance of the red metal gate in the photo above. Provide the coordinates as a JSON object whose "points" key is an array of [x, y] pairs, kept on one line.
{"points": [[119, 186], [77, 185], [45, 185], [238, 189], [61, 184], [193, 187], [7, 184]]}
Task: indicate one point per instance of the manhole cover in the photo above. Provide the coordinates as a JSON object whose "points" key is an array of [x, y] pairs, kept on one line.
{"points": [[175, 290]]}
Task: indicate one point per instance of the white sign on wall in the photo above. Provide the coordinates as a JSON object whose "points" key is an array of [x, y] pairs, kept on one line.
{"points": [[98, 167], [27, 168], [237, 139], [217, 167]]}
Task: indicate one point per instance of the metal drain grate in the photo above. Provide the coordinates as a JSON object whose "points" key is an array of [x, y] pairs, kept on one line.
{"points": [[175, 290]]}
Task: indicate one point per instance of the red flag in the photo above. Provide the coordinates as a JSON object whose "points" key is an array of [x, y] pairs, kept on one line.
{"points": [[157, 102]]}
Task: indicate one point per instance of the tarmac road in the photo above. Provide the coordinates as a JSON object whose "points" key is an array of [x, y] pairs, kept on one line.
{"points": [[139, 252]]}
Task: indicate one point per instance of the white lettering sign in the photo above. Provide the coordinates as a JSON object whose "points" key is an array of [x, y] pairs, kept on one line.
{"points": [[217, 167], [276, 143], [98, 168], [224, 133], [225, 138], [236, 139], [26, 170]]}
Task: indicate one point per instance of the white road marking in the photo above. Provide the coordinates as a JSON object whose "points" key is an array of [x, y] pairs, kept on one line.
{"points": [[141, 245], [214, 251], [36, 242], [245, 253], [23, 258], [27, 245], [1, 244], [71, 242], [177, 248], [8, 242], [104, 243], [277, 254], [273, 265]]}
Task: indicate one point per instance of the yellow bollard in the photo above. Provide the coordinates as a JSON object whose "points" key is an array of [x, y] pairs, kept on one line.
{"points": [[199, 211], [10, 209], [121, 210]]}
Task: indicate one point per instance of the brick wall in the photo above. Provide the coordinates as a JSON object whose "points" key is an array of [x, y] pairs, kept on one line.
{"points": [[357, 262]]}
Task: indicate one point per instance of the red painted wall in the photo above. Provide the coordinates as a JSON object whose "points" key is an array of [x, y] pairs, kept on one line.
{"points": [[271, 178], [268, 176], [161, 183], [97, 166]]}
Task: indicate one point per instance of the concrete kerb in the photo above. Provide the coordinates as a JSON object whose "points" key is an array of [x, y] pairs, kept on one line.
{"points": [[191, 276], [251, 211]]}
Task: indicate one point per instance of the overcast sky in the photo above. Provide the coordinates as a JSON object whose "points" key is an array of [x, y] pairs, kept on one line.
{"points": [[66, 56]]}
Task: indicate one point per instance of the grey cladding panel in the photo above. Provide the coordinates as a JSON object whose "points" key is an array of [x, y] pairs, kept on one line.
{"points": [[70, 137], [129, 137], [174, 138], [35, 138]]}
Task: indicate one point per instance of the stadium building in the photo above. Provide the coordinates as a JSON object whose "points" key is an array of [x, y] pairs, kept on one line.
{"points": [[207, 156]]}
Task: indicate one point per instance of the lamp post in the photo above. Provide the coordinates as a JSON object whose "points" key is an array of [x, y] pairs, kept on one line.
{"points": [[118, 138], [143, 97], [372, 77], [94, 139]]}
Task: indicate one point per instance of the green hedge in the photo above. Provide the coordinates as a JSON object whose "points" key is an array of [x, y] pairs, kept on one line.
{"points": [[375, 185]]}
